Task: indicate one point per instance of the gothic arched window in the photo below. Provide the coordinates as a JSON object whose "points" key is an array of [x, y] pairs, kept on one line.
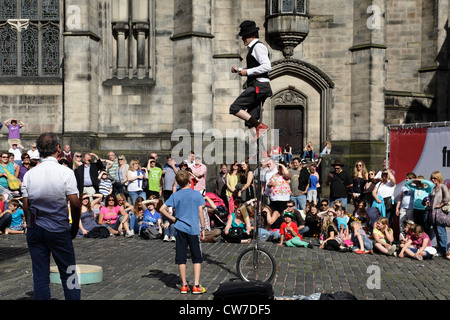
{"points": [[30, 38]]}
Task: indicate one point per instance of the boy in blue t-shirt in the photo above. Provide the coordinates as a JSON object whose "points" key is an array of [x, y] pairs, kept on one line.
{"points": [[188, 218], [17, 218]]}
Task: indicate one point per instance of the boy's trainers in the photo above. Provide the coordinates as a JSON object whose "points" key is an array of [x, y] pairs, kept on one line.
{"points": [[198, 289], [166, 238], [185, 289]]}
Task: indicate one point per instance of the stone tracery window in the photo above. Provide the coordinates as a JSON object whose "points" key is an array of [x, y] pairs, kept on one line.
{"points": [[30, 38], [287, 6]]}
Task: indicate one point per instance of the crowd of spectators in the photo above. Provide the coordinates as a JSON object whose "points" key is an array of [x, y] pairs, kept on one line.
{"points": [[123, 198]]}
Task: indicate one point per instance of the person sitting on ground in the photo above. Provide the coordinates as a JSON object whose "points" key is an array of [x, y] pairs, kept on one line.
{"points": [[342, 221], [18, 224], [298, 217], [151, 218], [405, 234], [289, 233], [330, 235], [238, 228], [418, 246], [110, 217], [361, 243], [313, 222], [88, 217], [136, 215], [122, 201], [384, 237]]}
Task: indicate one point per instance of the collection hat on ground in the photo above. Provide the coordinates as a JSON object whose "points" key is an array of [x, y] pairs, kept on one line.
{"points": [[248, 27]]}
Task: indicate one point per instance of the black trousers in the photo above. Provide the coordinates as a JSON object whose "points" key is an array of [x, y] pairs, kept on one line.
{"points": [[251, 99]]}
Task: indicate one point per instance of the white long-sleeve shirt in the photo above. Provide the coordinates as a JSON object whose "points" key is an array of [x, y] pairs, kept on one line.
{"points": [[261, 54]]}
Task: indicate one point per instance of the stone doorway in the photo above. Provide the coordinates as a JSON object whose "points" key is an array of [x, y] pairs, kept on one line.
{"points": [[289, 122]]}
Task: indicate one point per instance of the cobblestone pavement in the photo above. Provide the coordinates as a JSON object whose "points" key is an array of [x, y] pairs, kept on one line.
{"points": [[136, 269]]}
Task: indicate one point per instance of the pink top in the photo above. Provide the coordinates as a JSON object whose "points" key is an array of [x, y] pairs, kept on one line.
{"points": [[112, 214], [418, 242], [200, 171]]}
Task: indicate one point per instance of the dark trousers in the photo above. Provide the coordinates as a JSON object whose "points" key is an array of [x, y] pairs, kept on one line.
{"points": [[251, 98], [41, 244], [5, 221]]}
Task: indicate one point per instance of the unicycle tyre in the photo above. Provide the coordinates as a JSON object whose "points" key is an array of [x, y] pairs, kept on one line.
{"points": [[256, 264]]}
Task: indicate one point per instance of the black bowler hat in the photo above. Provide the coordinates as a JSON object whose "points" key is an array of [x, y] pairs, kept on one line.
{"points": [[248, 27]]}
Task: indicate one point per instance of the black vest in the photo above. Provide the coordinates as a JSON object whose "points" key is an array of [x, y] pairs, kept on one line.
{"points": [[253, 63]]}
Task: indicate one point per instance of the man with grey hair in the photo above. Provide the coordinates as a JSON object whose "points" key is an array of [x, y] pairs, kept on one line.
{"points": [[46, 190]]}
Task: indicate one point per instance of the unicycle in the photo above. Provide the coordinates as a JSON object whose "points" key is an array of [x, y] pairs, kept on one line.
{"points": [[256, 263]]}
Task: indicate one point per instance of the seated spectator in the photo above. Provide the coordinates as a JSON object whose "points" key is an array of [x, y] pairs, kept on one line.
{"points": [[383, 237], [34, 152], [330, 235], [361, 243], [17, 224], [5, 167], [341, 220], [313, 222], [238, 228], [289, 233], [308, 151], [16, 166], [136, 215], [88, 219], [151, 218], [408, 230], [24, 167], [272, 221], [114, 217], [122, 201], [298, 218], [5, 218], [418, 246]]}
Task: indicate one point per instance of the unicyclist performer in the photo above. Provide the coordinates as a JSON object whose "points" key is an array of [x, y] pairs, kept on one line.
{"points": [[247, 105]]}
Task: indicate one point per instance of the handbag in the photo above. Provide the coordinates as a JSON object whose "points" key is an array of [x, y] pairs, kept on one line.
{"points": [[446, 207], [13, 182]]}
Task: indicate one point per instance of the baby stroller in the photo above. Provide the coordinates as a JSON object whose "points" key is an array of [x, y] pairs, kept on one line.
{"points": [[219, 216], [8, 194]]}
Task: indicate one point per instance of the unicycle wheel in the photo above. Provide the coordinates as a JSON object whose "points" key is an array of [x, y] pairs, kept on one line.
{"points": [[256, 264]]}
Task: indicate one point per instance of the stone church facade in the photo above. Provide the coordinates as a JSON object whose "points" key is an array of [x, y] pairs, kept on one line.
{"points": [[124, 74]]}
